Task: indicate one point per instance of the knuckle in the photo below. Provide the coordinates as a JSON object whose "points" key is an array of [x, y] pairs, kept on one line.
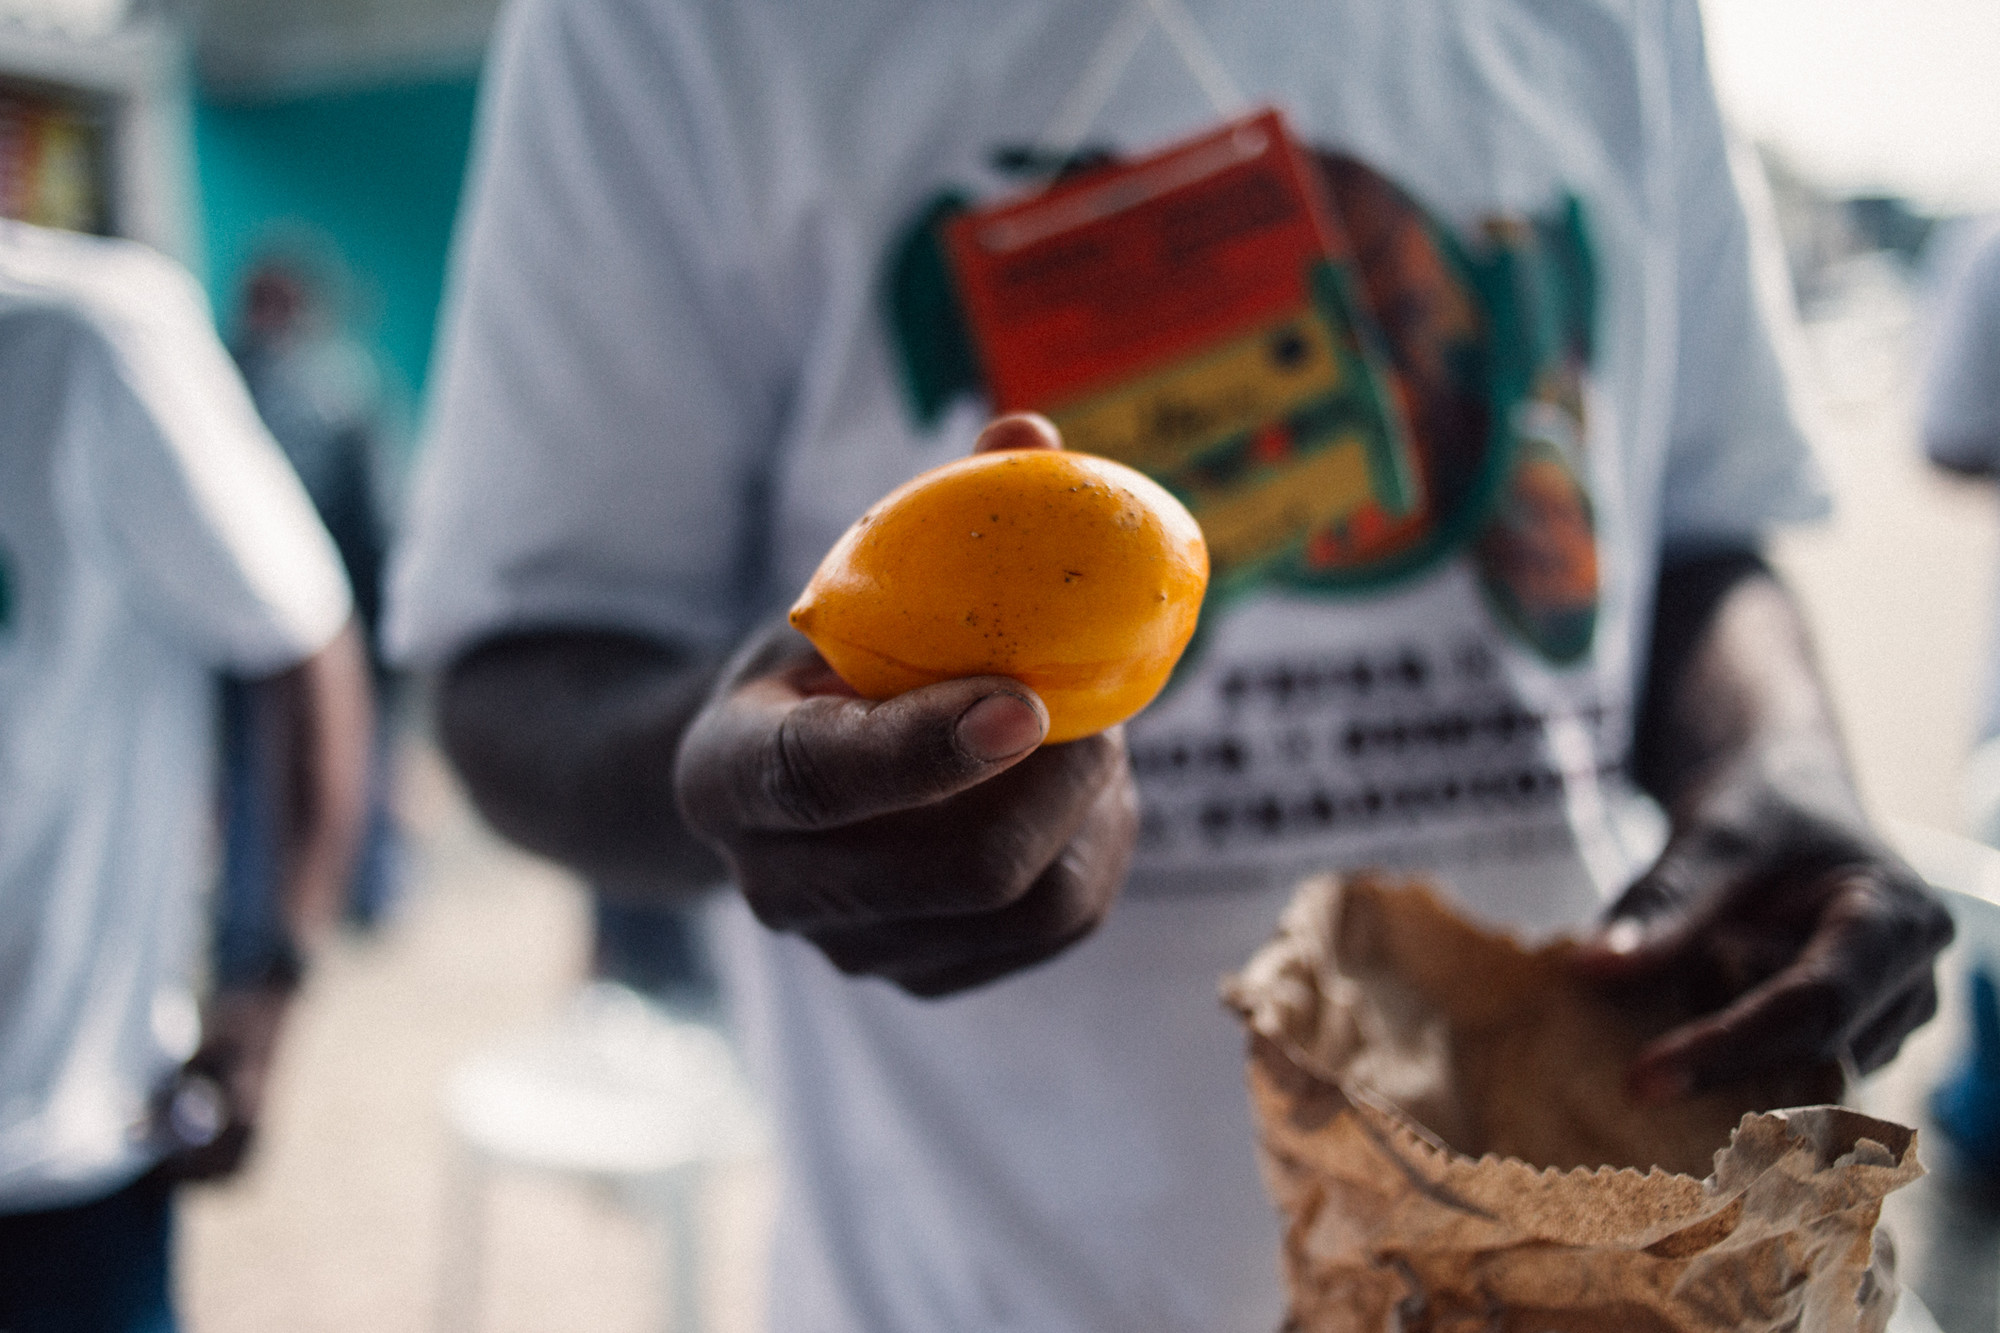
{"points": [[791, 779], [1113, 763], [1725, 843], [1126, 788], [1077, 891], [1088, 762], [1902, 911], [1078, 905]]}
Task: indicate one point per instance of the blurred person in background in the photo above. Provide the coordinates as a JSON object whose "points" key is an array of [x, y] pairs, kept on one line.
{"points": [[322, 397], [700, 320], [1961, 433], [151, 536]]}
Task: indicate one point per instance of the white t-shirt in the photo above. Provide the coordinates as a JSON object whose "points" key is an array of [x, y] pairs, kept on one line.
{"points": [[671, 381], [150, 536]]}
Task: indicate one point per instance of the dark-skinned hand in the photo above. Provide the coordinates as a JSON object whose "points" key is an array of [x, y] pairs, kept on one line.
{"points": [[221, 1087], [1798, 936], [930, 839]]}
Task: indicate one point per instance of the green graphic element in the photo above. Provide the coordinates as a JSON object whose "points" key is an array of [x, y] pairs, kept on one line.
{"points": [[934, 347], [1384, 433], [6, 592], [1477, 369], [1537, 553]]}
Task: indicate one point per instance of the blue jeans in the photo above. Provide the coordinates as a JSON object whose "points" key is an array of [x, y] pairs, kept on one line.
{"points": [[98, 1267], [657, 949]]}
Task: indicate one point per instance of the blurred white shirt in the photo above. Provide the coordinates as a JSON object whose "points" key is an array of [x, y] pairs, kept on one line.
{"points": [[151, 535]]}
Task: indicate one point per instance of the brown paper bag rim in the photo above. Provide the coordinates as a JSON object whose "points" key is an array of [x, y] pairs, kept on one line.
{"points": [[1896, 1141]]}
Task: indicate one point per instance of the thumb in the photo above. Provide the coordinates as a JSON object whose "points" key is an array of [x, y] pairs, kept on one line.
{"points": [[1019, 430], [762, 757]]}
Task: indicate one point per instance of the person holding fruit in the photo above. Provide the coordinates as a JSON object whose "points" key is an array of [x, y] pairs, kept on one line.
{"points": [[1443, 328]]}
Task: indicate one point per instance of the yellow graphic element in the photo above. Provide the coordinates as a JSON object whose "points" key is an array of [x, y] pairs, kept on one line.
{"points": [[1159, 423], [1323, 488], [66, 197]]}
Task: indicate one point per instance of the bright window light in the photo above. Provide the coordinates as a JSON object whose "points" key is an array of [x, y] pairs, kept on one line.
{"points": [[1867, 96]]}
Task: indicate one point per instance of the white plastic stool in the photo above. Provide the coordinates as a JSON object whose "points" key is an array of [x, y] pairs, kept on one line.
{"points": [[617, 1091]]}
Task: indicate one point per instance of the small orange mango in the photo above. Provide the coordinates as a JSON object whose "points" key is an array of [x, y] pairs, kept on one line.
{"points": [[1074, 575]]}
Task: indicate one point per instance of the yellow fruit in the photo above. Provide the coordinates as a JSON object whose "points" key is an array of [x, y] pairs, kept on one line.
{"points": [[1074, 575]]}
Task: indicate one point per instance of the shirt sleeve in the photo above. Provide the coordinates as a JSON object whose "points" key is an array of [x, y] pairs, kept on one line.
{"points": [[610, 382], [1738, 459], [1961, 422], [174, 482]]}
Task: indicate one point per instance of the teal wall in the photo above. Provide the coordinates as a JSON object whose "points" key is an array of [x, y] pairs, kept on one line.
{"points": [[371, 175]]}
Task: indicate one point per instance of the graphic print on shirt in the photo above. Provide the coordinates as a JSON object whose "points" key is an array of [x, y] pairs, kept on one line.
{"points": [[1349, 395], [1341, 390], [6, 593]]}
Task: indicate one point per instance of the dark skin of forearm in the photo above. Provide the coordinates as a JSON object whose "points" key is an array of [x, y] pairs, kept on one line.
{"points": [[1733, 674], [1774, 911], [319, 720], [566, 741], [313, 725]]}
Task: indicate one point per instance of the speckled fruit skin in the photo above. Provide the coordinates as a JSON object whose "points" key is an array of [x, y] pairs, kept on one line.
{"points": [[1074, 575]]}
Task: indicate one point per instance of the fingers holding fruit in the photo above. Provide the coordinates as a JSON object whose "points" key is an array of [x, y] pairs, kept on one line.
{"points": [[925, 838], [940, 794], [975, 854], [785, 748], [1017, 916]]}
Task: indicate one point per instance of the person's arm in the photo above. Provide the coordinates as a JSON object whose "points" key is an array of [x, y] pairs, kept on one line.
{"points": [[320, 722], [1774, 907], [927, 839], [313, 725], [566, 741]]}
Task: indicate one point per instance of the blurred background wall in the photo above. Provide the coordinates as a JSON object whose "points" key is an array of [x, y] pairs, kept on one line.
{"points": [[367, 175], [341, 125]]}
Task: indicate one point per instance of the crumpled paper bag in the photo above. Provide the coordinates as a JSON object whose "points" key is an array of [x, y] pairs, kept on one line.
{"points": [[1443, 1126]]}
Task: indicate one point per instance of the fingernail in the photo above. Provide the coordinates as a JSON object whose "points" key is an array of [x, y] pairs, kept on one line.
{"points": [[1019, 430], [999, 726]]}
